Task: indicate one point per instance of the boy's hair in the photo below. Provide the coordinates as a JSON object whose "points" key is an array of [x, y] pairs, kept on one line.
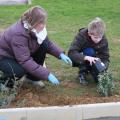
{"points": [[34, 16], [97, 27]]}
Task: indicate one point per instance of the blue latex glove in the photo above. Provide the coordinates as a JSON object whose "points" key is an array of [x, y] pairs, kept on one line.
{"points": [[53, 79], [66, 59]]}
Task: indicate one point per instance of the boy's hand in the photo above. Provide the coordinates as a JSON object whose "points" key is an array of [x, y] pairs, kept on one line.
{"points": [[91, 59]]}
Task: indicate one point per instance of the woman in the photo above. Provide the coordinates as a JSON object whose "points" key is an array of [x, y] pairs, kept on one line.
{"points": [[23, 47]]}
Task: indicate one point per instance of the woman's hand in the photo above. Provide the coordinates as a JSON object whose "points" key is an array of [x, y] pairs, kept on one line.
{"points": [[66, 59], [90, 59], [53, 79]]}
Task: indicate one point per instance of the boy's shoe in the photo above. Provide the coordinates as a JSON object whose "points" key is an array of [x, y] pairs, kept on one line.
{"points": [[82, 79], [35, 83]]}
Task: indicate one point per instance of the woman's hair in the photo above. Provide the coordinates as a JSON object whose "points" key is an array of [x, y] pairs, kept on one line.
{"points": [[34, 16], [97, 26]]}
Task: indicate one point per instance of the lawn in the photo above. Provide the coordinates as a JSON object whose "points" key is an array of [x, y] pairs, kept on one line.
{"points": [[65, 17]]}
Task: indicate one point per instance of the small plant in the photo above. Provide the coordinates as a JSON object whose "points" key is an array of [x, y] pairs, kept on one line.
{"points": [[7, 95], [106, 86]]}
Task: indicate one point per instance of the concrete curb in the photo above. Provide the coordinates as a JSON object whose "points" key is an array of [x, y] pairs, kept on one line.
{"points": [[75, 112], [14, 2]]}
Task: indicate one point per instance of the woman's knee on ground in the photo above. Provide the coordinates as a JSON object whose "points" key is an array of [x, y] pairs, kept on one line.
{"points": [[11, 68]]}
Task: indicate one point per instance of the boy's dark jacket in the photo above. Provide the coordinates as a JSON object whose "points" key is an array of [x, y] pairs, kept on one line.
{"points": [[82, 40]]}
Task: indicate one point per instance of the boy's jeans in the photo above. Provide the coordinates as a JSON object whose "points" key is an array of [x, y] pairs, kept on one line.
{"points": [[86, 67]]}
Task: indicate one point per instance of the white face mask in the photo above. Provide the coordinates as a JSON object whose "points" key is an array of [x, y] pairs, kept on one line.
{"points": [[40, 36]]}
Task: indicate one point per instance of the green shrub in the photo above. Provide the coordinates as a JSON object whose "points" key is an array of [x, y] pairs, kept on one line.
{"points": [[7, 95], [106, 86]]}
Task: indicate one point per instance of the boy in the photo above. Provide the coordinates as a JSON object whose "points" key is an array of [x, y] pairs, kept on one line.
{"points": [[90, 45]]}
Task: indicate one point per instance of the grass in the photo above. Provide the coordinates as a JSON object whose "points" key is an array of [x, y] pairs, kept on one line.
{"points": [[65, 17]]}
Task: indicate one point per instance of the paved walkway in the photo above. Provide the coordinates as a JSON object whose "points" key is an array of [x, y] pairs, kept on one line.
{"points": [[12, 2], [106, 118]]}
